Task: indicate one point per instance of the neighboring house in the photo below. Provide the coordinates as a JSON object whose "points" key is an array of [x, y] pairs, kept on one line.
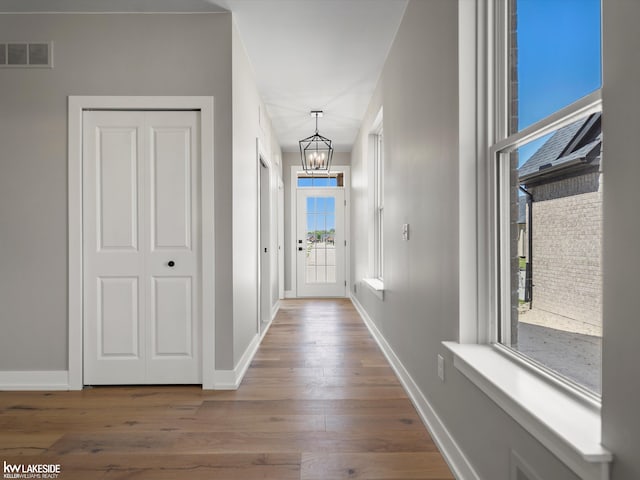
{"points": [[564, 179]]}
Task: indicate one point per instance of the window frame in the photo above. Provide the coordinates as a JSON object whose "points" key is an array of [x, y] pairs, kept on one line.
{"points": [[375, 180], [499, 165], [378, 204], [500, 145], [565, 421], [338, 176]]}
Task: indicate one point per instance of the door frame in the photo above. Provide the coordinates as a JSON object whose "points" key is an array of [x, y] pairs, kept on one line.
{"points": [[280, 242], [76, 106], [262, 159], [293, 223]]}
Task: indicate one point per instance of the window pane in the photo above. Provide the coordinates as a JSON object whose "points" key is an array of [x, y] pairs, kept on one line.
{"points": [[555, 55], [322, 182], [320, 243], [555, 243], [325, 182]]}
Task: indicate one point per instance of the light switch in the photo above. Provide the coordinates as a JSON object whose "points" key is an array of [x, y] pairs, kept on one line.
{"points": [[405, 231]]}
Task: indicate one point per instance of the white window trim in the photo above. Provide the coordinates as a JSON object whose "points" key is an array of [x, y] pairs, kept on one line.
{"points": [[378, 204], [524, 392], [567, 427], [376, 285], [375, 280]]}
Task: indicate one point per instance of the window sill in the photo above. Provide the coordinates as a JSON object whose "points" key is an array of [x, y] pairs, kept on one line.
{"points": [[565, 425], [376, 286]]}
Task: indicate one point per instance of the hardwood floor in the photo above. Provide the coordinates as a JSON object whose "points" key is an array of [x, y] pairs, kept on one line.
{"points": [[318, 402]]}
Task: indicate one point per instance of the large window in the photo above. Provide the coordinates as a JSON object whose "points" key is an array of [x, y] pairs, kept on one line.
{"points": [[547, 166], [378, 176]]}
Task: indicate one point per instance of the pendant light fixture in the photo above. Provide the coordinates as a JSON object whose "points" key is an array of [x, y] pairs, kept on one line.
{"points": [[316, 151]]}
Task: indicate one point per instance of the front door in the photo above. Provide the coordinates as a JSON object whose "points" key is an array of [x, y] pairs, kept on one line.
{"points": [[141, 241], [320, 242]]}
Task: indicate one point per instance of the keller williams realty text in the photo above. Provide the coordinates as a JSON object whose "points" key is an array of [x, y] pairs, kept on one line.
{"points": [[39, 470]]}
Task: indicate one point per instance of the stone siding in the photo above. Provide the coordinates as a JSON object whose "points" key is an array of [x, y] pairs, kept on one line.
{"points": [[567, 248], [589, 182]]}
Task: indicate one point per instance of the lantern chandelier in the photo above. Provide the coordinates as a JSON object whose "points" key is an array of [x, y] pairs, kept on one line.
{"points": [[316, 151]]}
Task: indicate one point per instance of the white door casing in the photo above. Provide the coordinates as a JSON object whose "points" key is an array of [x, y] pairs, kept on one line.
{"points": [[280, 242], [265, 253], [321, 259], [77, 105], [142, 319]]}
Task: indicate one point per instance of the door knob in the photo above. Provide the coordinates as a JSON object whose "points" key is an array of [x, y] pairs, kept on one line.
{"points": [[171, 263], [300, 248]]}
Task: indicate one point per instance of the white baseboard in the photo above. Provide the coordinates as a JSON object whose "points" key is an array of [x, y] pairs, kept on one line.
{"points": [[35, 380], [455, 458], [231, 379], [223, 380], [59, 379], [289, 294]]}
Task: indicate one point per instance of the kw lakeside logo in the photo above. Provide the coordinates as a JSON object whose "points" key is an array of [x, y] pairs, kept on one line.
{"points": [[36, 470]]}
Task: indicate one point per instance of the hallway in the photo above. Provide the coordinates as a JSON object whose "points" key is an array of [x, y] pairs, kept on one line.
{"points": [[318, 402]]}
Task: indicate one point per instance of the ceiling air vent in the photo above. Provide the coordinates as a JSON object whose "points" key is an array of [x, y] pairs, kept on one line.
{"points": [[26, 55]]}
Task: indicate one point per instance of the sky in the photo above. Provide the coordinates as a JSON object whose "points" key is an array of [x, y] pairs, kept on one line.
{"points": [[559, 52], [321, 213]]}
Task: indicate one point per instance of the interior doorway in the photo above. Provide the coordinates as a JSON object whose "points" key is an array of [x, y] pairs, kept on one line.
{"points": [[265, 243], [281, 254], [152, 233]]}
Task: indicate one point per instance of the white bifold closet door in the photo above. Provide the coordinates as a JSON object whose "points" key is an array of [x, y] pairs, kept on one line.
{"points": [[141, 247]]}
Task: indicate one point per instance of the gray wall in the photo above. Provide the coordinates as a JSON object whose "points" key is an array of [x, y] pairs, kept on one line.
{"points": [[621, 260], [249, 124], [418, 91], [93, 55], [290, 159]]}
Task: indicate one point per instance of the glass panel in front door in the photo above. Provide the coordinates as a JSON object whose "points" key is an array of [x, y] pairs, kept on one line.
{"points": [[320, 257]]}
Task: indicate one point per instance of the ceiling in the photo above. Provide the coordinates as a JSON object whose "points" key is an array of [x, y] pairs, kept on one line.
{"points": [[306, 54], [317, 55]]}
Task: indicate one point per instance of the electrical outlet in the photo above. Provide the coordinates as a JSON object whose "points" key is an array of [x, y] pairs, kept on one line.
{"points": [[441, 367]]}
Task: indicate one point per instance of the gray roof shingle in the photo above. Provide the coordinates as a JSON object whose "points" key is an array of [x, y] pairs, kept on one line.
{"points": [[553, 153]]}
